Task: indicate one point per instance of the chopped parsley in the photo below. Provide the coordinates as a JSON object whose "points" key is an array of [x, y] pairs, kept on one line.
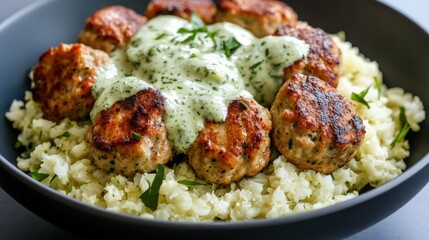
{"points": [[18, 144], [39, 176], [244, 105], [136, 135], [230, 46], [190, 183], [151, 195], [405, 127], [254, 66], [361, 97], [27, 152], [377, 83], [198, 26], [161, 36], [65, 134]]}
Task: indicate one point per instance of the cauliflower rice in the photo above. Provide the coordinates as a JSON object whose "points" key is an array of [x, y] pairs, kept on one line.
{"points": [[281, 189]]}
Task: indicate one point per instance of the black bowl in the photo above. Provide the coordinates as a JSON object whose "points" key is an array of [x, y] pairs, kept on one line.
{"points": [[397, 44]]}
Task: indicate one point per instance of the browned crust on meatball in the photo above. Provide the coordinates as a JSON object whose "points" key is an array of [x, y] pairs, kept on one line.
{"points": [[63, 81], [111, 27], [324, 56], [314, 126], [182, 8], [131, 136], [226, 152], [261, 17]]}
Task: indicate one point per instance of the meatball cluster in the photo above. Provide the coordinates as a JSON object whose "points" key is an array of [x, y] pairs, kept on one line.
{"points": [[310, 123]]}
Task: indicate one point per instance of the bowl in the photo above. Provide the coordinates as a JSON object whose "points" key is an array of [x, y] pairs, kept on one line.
{"points": [[396, 43]]}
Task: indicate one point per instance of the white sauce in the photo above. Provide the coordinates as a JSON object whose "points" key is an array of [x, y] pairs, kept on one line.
{"points": [[197, 71]]}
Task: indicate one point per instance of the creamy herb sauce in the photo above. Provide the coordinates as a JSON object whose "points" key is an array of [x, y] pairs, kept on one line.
{"points": [[199, 69]]}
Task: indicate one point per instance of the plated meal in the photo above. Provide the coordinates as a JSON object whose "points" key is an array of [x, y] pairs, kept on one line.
{"points": [[203, 112]]}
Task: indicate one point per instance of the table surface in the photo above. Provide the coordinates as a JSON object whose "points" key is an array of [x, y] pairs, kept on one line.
{"points": [[409, 222]]}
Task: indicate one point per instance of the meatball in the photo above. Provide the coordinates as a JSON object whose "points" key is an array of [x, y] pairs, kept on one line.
{"points": [[324, 56], [314, 126], [226, 152], [111, 27], [261, 17], [182, 8], [63, 81], [130, 136]]}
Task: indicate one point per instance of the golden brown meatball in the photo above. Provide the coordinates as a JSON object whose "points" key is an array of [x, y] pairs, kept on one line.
{"points": [[324, 56], [63, 81], [261, 17], [111, 27], [182, 8], [130, 136], [226, 152], [314, 126]]}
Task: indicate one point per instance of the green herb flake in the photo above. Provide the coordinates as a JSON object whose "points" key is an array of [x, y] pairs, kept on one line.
{"points": [[244, 105], [230, 46], [53, 178], [65, 134], [151, 195], [18, 144], [193, 55], [405, 128], [27, 153], [161, 36], [254, 66], [39, 176], [136, 135], [377, 83], [361, 97], [191, 183]]}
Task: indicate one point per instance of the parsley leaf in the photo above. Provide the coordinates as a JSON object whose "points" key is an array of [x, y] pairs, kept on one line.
{"points": [[254, 66], [18, 144], [244, 105], [405, 127], [151, 195], [361, 97], [65, 134], [193, 33], [190, 183], [160, 36], [136, 135], [230, 46], [39, 176], [377, 83]]}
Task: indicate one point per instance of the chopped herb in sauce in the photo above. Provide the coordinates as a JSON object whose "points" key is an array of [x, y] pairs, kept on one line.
{"points": [[151, 195], [230, 46], [254, 66], [405, 128], [161, 36], [361, 97], [39, 176], [191, 183]]}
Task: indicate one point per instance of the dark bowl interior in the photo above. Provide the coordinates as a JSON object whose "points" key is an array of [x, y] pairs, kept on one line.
{"points": [[398, 45]]}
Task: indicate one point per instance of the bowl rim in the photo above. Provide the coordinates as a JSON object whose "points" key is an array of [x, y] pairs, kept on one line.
{"points": [[189, 225]]}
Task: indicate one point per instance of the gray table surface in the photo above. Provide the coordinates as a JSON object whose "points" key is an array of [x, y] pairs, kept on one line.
{"points": [[409, 222]]}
